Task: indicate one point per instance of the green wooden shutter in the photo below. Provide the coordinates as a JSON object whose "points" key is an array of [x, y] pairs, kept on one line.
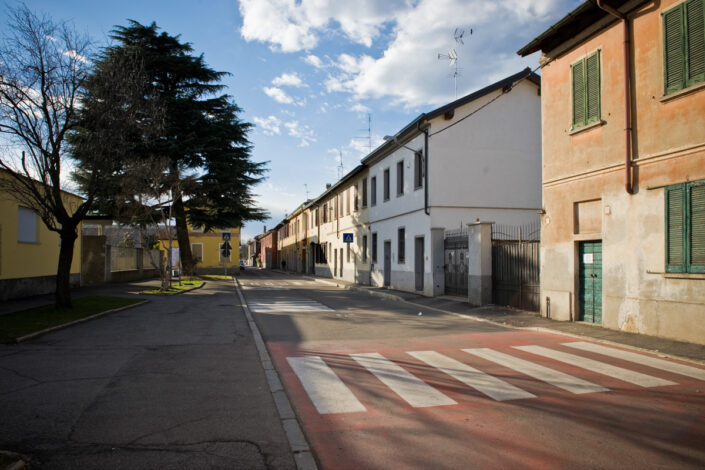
{"points": [[695, 41], [675, 233], [592, 73], [578, 70], [674, 60], [696, 212]]}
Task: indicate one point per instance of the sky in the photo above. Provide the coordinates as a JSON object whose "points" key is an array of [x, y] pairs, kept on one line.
{"points": [[324, 80]]}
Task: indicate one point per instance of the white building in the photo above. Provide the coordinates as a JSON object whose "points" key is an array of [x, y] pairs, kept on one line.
{"points": [[475, 159]]}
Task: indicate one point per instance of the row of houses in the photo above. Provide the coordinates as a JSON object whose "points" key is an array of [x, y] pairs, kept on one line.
{"points": [[606, 150]]}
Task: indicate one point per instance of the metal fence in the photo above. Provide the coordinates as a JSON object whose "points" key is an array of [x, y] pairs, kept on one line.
{"points": [[123, 258], [455, 246], [515, 265]]}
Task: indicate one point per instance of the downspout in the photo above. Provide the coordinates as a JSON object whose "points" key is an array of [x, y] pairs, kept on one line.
{"points": [[426, 209], [627, 95]]}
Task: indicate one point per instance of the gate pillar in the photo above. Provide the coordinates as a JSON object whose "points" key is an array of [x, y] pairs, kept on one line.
{"points": [[480, 263], [437, 261]]}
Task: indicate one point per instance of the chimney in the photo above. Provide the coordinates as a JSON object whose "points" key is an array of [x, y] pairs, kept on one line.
{"points": [[328, 185], [265, 229]]}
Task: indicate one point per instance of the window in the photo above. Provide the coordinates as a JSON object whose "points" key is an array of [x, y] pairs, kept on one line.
{"points": [[373, 191], [418, 169], [27, 227], [385, 185], [347, 252], [586, 90], [685, 228], [374, 247], [364, 192], [400, 178], [364, 248], [684, 45], [325, 213], [401, 245], [197, 251], [355, 198], [347, 202]]}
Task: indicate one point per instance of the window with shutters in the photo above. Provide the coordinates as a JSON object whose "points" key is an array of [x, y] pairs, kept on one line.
{"points": [[685, 228], [684, 45], [401, 245], [586, 90], [373, 191]]}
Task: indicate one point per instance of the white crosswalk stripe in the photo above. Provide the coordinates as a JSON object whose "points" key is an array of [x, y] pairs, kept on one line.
{"points": [[274, 306], [413, 390], [327, 392], [330, 394], [545, 374], [484, 383], [654, 362], [620, 373]]}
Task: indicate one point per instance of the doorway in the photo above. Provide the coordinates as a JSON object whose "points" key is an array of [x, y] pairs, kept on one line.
{"points": [[419, 261], [387, 263], [590, 281]]}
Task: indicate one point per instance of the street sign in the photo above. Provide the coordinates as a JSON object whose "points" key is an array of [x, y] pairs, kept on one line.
{"points": [[347, 238], [226, 236]]}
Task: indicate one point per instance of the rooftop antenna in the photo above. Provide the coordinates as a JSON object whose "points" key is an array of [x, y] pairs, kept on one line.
{"points": [[452, 56], [306, 187], [369, 132], [340, 167]]}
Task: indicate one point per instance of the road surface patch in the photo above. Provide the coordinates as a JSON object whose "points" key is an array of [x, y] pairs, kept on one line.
{"points": [[276, 306]]}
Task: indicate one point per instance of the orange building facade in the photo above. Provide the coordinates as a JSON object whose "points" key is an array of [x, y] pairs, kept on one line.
{"points": [[623, 223]]}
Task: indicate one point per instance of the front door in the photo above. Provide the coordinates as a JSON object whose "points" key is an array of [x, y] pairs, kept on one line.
{"points": [[590, 274], [387, 263], [419, 262]]}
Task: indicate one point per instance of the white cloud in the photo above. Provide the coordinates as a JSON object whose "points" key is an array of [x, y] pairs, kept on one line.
{"points": [[407, 72], [288, 79], [269, 125], [359, 108], [302, 132], [278, 95]]}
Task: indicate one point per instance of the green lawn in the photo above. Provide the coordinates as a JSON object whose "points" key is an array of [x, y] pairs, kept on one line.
{"points": [[17, 324], [177, 287], [218, 277]]}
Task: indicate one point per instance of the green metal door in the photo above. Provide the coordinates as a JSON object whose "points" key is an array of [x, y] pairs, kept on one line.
{"points": [[590, 296]]}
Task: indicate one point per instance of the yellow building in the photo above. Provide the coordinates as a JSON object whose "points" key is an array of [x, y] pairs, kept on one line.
{"points": [[206, 250], [29, 251]]}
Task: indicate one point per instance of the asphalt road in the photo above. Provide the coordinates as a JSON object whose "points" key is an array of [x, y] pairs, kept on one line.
{"points": [[173, 384], [379, 384]]}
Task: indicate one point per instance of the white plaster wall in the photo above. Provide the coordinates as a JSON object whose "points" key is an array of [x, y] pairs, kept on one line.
{"points": [[492, 158]]}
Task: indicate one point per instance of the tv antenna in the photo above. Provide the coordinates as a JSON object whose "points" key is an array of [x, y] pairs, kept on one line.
{"points": [[340, 167], [452, 56], [307, 191]]}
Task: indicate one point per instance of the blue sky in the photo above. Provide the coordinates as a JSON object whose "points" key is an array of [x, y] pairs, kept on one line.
{"points": [[307, 73]]}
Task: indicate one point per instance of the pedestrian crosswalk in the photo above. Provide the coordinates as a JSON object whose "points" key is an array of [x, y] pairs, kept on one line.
{"points": [[283, 305], [331, 395]]}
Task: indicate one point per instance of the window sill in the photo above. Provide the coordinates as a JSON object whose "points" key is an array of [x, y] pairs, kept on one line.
{"points": [[685, 91], [418, 187], [578, 130], [679, 275]]}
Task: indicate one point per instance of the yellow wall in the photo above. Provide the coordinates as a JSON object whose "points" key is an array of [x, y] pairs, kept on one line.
{"points": [[21, 260], [211, 247]]}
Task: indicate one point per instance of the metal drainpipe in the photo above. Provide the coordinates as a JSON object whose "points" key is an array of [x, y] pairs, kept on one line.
{"points": [[426, 209], [627, 95]]}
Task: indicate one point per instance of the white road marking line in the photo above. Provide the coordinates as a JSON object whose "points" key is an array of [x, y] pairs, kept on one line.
{"points": [[266, 306], [553, 377], [654, 362], [484, 383], [415, 391], [327, 392], [620, 373]]}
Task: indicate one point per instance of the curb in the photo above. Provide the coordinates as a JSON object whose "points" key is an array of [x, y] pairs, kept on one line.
{"points": [[76, 322], [303, 457]]}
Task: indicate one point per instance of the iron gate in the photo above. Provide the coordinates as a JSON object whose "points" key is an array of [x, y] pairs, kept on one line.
{"points": [[455, 245], [515, 266]]}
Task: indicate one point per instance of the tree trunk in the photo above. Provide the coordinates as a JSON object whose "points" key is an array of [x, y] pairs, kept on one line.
{"points": [[187, 264], [68, 237]]}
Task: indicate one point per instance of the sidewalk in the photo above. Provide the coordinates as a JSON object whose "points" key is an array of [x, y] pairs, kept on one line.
{"points": [[514, 318]]}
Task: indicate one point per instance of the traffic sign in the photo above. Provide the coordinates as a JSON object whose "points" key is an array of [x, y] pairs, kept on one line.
{"points": [[226, 236], [347, 238]]}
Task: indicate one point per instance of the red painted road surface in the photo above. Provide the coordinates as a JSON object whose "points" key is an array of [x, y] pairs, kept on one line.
{"points": [[626, 426]]}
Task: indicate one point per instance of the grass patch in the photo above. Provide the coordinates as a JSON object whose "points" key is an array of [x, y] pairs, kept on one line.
{"points": [[17, 324], [219, 277], [176, 287]]}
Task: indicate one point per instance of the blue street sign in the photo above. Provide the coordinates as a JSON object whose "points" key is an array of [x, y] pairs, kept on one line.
{"points": [[347, 238], [226, 236]]}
